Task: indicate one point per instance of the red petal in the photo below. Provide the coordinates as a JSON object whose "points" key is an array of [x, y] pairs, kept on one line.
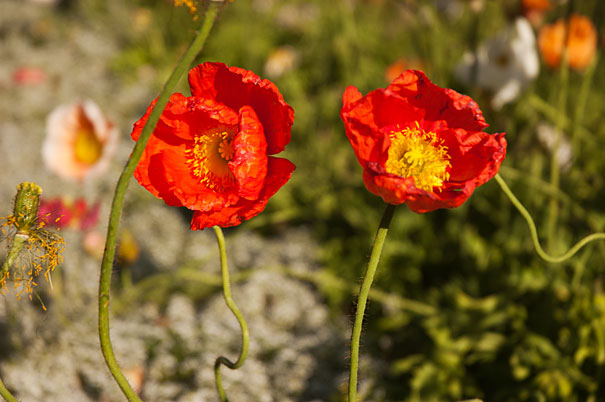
{"points": [[249, 163], [187, 188], [236, 87], [458, 110], [475, 156], [279, 172], [350, 96], [369, 120], [138, 125], [150, 174]]}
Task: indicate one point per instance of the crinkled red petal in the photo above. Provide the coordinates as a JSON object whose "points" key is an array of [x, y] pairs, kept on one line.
{"points": [[163, 169], [365, 120], [475, 159], [456, 119], [184, 117], [459, 111], [188, 189], [279, 172], [249, 162], [150, 172], [236, 87]]}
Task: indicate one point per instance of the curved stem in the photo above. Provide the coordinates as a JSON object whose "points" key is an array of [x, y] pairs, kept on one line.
{"points": [[534, 232], [118, 200], [240, 319], [6, 394], [381, 234]]}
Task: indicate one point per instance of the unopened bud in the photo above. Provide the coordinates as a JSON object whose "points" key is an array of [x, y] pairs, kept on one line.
{"points": [[26, 205]]}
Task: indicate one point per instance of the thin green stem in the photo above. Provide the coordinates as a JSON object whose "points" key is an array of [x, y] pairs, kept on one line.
{"points": [[581, 103], [18, 242], [118, 200], [534, 232], [552, 114], [553, 207], [6, 394], [368, 278], [240, 319]]}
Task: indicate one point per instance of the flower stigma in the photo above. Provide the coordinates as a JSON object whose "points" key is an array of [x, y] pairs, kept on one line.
{"points": [[208, 159], [420, 155]]}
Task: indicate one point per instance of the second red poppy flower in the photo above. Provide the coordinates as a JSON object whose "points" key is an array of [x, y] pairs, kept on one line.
{"points": [[420, 144]]}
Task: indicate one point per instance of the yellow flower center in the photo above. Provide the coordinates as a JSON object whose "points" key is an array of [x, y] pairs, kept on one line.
{"points": [[87, 147], [208, 159], [418, 154]]}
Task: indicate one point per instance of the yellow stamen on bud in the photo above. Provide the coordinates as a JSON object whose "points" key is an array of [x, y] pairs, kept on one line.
{"points": [[208, 159], [420, 155], [191, 4]]}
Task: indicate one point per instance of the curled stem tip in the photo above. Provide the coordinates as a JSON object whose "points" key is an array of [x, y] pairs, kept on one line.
{"points": [[534, 232], [240, 319], [118, 200], [363, 297]]}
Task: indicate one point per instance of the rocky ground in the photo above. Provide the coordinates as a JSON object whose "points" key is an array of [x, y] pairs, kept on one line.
{"points": [[166, 344]]}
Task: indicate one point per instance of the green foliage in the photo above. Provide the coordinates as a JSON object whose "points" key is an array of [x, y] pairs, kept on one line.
{"points": [[507, 326]]}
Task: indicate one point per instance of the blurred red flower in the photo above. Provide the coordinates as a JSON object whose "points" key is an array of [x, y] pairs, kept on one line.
{"points": [[28, 75], [62, 213], [210, 152], [420, 144]]}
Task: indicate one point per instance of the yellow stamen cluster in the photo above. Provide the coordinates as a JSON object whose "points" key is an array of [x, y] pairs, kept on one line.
{"points": [[208, 159], [420, 155], [31, 252], [31, 248]]}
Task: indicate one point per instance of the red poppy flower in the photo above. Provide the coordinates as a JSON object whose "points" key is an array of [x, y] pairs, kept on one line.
{"points": [[420, 144], [210, 152]]}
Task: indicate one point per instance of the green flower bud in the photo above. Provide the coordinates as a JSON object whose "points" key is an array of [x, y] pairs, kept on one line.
{"points": [[26, 205]]}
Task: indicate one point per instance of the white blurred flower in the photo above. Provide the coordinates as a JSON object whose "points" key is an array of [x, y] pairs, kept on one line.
{"points": [[547, 135], [504, 64], [280, 61], [79, 141]]}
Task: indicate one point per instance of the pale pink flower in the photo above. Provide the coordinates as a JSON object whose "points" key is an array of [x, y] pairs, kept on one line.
{"points": [[79, 142]]}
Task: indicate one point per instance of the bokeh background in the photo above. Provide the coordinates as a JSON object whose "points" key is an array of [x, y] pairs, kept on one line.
{"points": [[462, 306]]}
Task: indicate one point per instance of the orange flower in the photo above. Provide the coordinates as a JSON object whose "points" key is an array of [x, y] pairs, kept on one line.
{"points": [[212, 152], [537, 5], [534, 10], [581, 42], [394, 69]]}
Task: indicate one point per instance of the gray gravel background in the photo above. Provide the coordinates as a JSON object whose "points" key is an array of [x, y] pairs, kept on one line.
{"points": [[297, 349]]}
